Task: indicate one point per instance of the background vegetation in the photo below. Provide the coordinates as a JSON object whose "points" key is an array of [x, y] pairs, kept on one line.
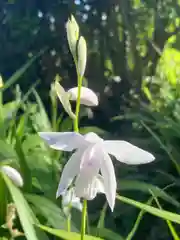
{"points": [[133, 64]]}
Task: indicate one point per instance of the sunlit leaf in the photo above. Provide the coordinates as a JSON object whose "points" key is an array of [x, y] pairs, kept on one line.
{"points": [[106, 234], [152, 210], [23, 210], [67, 235], [145, 187]]}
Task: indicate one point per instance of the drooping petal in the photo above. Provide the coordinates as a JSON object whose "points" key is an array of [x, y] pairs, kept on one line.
{"points": [[89, 189], [88, 97], [64, 99], [13, 174], [110, 185], [70, 170], [85, 184], [65, 141], [127, 153]]}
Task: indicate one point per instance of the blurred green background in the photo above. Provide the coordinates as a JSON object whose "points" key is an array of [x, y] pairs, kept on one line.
{"points": [[134, 67]]}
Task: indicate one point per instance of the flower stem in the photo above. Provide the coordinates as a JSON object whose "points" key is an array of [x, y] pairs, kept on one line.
{"points": [[83, 219], [76, 120], [69, 223], [76, 129]]}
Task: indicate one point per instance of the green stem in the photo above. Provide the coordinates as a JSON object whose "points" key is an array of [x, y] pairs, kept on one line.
{"points": [[76, 120], [69, 223], [83, 221], [54, 114], [3, 201], [76, 129]]}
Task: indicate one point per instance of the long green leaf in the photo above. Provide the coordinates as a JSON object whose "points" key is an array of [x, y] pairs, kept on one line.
{"points": [[163, 146], [66, 235], [3, 201], [171, 227], [106, 233], [44, 121], [137, 222], [152, 210], [15, 77], [26, 173], [23, 210], [146, 187]]}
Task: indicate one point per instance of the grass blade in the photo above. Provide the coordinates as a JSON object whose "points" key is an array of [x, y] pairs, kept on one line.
{"points": [[152, 210], [15, 77], [62, 234], [23, 210]]}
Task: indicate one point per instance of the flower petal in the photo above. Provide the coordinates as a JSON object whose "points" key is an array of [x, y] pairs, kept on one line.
{"points": [[71, 169], [92, 137], [65, 141], [110, 185], [85, 184], [127, 153], [89, 188], [13, 174], [91, 159], [88, 97], [100, 184], [64, 99]]}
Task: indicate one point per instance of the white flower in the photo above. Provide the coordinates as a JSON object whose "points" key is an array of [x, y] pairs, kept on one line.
{"points": [[88, 97], [69, 199], [90, 158], [13, 174], [82, 56], [90, 190]]}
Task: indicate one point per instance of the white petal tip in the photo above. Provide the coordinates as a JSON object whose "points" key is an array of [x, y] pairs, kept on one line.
{"points": [[148, 158], [128, 153]]}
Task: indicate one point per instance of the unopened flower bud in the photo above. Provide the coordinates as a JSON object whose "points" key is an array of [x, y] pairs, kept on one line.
{"points": [[82, 56], [72, 29], [13, 174]]}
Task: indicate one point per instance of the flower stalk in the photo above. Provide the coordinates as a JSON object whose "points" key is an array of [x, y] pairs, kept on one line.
{"points": [[76, 120], [83, 219], [76, 129]]}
